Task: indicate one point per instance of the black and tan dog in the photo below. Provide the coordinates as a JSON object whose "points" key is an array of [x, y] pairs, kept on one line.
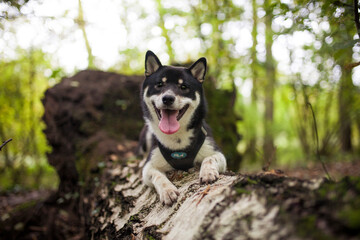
{"points": [[175, 135]]}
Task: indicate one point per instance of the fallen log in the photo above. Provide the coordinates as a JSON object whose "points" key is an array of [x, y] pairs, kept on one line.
{"points": [[238, 206]]}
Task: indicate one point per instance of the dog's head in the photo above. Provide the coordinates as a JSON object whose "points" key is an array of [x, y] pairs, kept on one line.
{"points": [[173, 96]]}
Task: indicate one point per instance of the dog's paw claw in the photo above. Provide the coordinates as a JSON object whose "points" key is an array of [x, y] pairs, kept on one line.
{"points": [[208, 176], [169, 195]]}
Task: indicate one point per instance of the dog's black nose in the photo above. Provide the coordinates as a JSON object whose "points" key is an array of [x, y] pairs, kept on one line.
{"points": [[168, 100]]}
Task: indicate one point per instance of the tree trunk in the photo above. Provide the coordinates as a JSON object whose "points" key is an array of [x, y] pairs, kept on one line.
{"points": [[165, 32], [251, 148], [268, 147], [346, 90], [81, 23]]}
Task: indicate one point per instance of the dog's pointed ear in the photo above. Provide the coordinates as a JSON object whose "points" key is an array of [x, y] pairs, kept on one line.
{"points": [[198, 69], [152, 63]]}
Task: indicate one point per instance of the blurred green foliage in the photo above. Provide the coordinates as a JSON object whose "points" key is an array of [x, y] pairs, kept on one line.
{"points": [[23, 81]]}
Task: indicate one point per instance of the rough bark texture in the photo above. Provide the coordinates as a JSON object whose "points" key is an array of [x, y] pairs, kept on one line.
{"points": [[237, 206]]}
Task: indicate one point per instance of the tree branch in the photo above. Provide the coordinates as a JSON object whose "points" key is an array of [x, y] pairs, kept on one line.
{"points": [[317, 143], [351, 65], [4, 143]]}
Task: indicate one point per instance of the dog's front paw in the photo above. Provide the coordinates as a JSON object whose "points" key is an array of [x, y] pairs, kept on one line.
{"points": [[168, 195], [208, 172]]}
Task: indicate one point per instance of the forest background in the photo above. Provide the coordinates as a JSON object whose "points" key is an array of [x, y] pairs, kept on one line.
{"points": [[289, 69]]}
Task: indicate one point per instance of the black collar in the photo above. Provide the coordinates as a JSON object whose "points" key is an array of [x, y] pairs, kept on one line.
{"points": [[183, 159]]}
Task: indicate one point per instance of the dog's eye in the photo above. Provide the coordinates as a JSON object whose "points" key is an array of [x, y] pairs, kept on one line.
{"points": [[159, 84], [183, 87]]}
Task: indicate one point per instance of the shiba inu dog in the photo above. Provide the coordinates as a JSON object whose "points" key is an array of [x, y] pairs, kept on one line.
{"points": [[175, 135]]}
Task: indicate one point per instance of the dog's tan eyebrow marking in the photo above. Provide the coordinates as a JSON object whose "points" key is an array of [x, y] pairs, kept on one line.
{"points": [[164, 79], [180, 81]]}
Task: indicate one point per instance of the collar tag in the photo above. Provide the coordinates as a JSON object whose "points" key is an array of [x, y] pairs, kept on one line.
{"points": [[178, 155]]}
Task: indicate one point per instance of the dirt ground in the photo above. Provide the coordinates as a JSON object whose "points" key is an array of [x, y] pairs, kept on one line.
{"points": [[337, 170]]}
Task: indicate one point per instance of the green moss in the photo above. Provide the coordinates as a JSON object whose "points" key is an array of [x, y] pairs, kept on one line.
{"points": [[342, 196], [245, 186], [134, 218], [113, 184], [248, 220], [25, 206], [149, 237], [252, 181], [307, 228], [150, 233], [350, 217], [242, 191]]}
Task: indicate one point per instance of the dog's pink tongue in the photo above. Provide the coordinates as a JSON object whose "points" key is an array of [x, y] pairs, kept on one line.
{"points": [[168, 122]]}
